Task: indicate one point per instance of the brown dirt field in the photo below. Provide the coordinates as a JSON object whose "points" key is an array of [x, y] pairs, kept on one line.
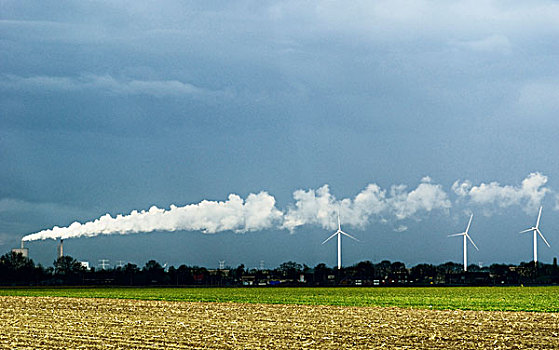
{"points": [[67, 323]]}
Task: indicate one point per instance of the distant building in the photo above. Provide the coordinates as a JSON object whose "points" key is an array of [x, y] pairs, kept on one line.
{"points": [[248, 280], [218, 272], [85, 264], [22, 251]]}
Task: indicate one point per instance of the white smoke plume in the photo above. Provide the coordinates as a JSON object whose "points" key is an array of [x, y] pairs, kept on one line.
{"points": [[256, 213], [311, 207], [320, 207], [426, 197], [529, 195]]}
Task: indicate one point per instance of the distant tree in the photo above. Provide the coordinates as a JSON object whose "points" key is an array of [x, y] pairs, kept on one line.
{"points": [[66, 265], [499, 269], [449, 267], [239, 272], [321, 272], [397, 267], [504, 274], [130, 273], [474, 268], [15, 261], [291, 269], [423, 273], [42, 274], [184, 275], [68, 270], [130, 268], [200, 274], [172, 274], [365, 270], [383, 269], [527, 271], [154, 273], [15, 268], [398, 272], [153, 265]]}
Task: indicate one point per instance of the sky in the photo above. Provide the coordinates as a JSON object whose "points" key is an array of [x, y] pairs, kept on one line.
{"points": [[193, 133]]}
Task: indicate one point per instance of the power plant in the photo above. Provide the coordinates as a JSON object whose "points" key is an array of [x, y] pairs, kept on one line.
{"points": [[23, 251]]}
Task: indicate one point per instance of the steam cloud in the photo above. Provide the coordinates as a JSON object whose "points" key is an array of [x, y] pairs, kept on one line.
{"points": [[256, 213], [320, 207], [311, 207], [529, 194]]}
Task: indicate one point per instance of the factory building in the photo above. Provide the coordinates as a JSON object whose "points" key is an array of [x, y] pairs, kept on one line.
{"points": [[23, 251]]}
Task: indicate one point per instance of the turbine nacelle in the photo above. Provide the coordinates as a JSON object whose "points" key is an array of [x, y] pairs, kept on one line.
{"points": [[341, 233], [465, 233], [467, 236]]}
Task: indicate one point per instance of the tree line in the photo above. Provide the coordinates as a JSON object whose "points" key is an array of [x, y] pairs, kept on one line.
{"points": [[16, 269]]}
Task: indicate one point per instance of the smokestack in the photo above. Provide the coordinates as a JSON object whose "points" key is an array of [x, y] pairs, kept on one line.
{"points": [[22, 250], [60, 249]]}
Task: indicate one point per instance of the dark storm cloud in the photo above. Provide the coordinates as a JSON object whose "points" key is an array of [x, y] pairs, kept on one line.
{"points": [[112, 106]]}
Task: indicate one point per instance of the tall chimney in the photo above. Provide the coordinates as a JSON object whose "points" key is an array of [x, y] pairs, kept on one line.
{"points": [[61, 249], [23, 251]]}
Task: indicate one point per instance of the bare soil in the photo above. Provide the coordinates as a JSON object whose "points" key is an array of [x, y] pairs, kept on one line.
{"points": [[68, 323]]}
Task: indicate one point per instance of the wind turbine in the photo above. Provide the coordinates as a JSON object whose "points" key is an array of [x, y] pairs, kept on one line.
{"points": [[339, 233], [537, 231], [466, 235]]}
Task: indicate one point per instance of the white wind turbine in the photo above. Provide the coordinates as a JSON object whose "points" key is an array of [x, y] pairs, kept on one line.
{"points": [[466, 236], [537, 231], [339, 233]]}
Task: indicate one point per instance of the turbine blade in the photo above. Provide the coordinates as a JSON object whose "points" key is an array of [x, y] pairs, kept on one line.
{"points": [[350, 236], [528, 230], [469, 223], [472, 241], [457, 234], [541, 235], [539, 216], [329, 238], [339, 223]]}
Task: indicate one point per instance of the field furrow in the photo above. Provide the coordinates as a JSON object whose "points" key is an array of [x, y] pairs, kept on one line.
{"points": [[76, 323]]}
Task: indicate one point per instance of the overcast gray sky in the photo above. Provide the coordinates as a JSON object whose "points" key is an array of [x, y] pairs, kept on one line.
{"points": [[404, 115]]}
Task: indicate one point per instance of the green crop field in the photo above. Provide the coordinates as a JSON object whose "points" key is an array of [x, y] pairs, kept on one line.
{"points": [[537, 299]]}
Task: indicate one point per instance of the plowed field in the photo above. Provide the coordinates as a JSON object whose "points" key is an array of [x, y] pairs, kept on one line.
{"points": [[76, 323]]}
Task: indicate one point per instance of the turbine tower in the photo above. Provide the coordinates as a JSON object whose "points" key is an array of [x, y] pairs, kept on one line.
{"points": [[466, 236], [339, 233], [536, 230]]}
